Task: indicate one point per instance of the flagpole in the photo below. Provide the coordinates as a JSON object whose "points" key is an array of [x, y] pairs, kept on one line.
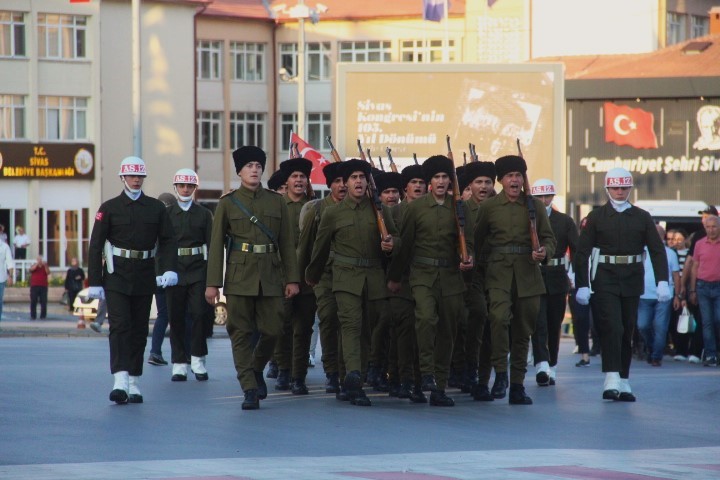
{"points": [[290, 142]]}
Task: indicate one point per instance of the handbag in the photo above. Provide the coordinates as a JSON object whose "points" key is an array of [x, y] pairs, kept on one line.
{"points": [[686, 322]]}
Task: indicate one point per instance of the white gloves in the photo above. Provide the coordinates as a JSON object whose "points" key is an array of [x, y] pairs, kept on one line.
{"points": [[159, 280], [96, 292], [168, 279], [583, 295], [663, 292]]}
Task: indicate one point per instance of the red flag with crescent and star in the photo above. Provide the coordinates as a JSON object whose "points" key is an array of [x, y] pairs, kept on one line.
{"points": [[306, 151], [629, 126]]}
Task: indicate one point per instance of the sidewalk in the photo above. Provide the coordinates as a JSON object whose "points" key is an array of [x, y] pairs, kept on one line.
{"points": [[16, 322]]}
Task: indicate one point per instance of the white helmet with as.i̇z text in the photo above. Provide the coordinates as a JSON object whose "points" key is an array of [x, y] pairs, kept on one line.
{"points": [[132, 166], [543, 186], [618, 177], [185, 176]]}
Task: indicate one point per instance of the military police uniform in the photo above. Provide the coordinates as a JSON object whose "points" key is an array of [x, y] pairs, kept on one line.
{"points": [[257, 269], [131, 233], [192, 231]]}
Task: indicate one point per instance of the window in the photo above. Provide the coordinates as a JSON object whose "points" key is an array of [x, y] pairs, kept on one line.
{"points": [[208, 124], [209, 55], [288, 59], [317, 61], [317, 128], [425, 51], [12, 34], [363, 52], [61, 36], [248, 61], [698, 26], [12, 117], [62, 118], [288, 123], [247, 129], [675, 28]]}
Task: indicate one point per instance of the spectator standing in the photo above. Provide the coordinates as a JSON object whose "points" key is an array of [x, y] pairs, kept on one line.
{"points": [[654, 314], [680, 341], [6, 268], [74, 279], [39, 272], [705, 285], [21, 242], [3, 235]]}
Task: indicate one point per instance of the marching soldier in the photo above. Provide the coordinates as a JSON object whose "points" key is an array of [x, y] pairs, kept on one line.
{"points": [[329, 325], [612, 239], [402, 304], [546, 338], [480, 178], [349, 228], [129, 231], [429, 243], [389, 186], [261, 269], [291, 350], [192, 224], [513, 280]]}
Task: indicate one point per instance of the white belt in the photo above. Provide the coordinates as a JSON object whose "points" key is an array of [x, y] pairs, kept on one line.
{"points": [[138, 254], [555, 262], [620, 259], [192, 251]]}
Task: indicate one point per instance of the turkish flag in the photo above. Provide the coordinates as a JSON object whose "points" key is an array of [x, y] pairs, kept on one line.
{"points": [[306, 151], [629, 126], [79, 1]]}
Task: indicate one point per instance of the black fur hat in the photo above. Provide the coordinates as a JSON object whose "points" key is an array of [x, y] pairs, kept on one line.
{"points": [[247, 154]]}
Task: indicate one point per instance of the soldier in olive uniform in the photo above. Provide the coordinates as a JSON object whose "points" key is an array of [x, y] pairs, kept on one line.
{"points": [[546, 339], [612, 239], [278, 182], [402, 304], [350, 228], [192, 224], [480, 177], [329, 325], [291, 350], [429, 243], [513, 279], [389, 186], [129, 231], [261, 269]]}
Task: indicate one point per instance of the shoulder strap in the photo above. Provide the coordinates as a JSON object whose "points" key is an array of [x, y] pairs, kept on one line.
{"points": [[256, 221]]}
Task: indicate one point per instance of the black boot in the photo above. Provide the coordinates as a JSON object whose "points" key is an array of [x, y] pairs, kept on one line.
{"points": [[342, 395], [272, 370], [417, 395], [405, 389], [283, 380], [428, 383], [393, 389], [353, 381], [299, 387], [471, 380], [261, 385], [332, 383], [439, 399], [373, 376], [455, 378], [481, 393], [251, 401], [518, 395], [358, 397], [499, 388], [383, 384]]}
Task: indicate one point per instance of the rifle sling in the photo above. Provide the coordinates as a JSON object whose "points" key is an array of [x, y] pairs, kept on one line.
{"points": [[255, 221]]}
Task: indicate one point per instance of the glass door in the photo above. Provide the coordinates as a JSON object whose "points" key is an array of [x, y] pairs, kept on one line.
{"points": [[64, 235]]}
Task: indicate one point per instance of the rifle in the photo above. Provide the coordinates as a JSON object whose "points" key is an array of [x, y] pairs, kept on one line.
{"points": [[459, 209], [415, 159], [382, 167], [374, 197], [464, 159], [362, 154], [333, 153], [393, 167], [532, 213], [473, 153]]}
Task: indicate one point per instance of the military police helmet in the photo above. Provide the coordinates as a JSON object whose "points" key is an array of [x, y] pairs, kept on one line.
{"points": [[618, 177], [544, 186], [132, 166], [186, 175]]}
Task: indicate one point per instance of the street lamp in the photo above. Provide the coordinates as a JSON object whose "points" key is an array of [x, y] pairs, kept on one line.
{"points": [[300, 12]]}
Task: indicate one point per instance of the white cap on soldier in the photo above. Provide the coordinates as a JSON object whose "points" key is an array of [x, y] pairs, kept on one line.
{"points": [[186, 175], [618, 177], [543, 186], [133, 166]]}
